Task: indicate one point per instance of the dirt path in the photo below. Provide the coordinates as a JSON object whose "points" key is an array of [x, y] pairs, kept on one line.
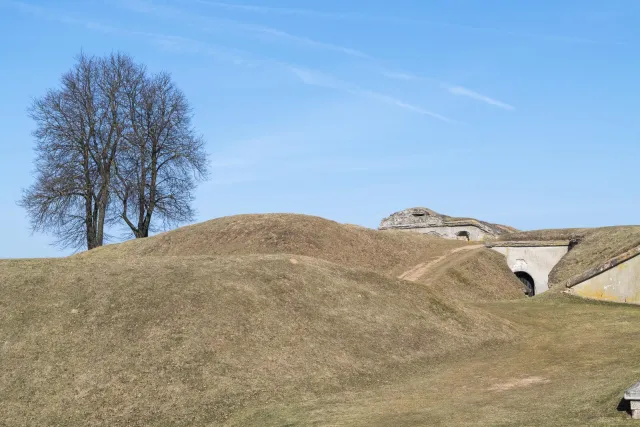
{"points": [[419, 270]]}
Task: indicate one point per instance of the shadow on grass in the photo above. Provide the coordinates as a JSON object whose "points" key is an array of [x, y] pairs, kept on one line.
{"points": [[624, 406]]}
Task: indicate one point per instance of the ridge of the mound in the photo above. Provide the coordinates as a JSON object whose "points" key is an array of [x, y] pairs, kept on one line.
{"points": [[389, 252]]}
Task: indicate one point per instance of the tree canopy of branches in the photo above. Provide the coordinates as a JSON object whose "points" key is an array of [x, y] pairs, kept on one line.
{"points": [[114, 145]]}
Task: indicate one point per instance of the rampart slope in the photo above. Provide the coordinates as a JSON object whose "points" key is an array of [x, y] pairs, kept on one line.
{"points": [[164, 340], [389, 252]]}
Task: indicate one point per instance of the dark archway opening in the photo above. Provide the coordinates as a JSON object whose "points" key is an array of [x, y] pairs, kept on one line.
{"points": [[463, 235], [527, 281]]}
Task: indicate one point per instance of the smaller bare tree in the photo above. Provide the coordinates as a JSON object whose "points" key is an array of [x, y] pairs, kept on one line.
{"points": [[161, 160]]}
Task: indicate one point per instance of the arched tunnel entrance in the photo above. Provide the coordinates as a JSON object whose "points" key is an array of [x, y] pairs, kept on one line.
{"points": [[463, 235], [531, 259], [527, 281]]}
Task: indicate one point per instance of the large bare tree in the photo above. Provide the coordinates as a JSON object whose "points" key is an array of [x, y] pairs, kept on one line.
{"points": [[78, 130], [110, 129], [161, 160]]}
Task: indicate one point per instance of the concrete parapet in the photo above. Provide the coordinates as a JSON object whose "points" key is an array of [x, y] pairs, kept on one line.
{"points": [[530, 244]]}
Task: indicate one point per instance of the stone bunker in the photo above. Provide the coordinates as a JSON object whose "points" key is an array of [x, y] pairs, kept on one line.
{"points": [[426, 221], [531, 262]]}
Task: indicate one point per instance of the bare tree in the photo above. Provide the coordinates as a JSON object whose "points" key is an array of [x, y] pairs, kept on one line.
{"points": [[79, 129], [161, 159]]}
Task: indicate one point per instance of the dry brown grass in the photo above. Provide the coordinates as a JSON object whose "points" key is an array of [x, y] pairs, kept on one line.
{"points": [[389, 252], [193, 340], [471, 276], [570, 367], [595, 246], [232, 323]]}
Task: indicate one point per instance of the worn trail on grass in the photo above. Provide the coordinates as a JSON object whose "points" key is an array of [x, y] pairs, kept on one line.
{"points": [[419, 270]]}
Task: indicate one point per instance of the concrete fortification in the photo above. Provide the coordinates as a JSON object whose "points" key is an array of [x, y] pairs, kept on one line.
{"points": [[427, 221], [599, 263]]}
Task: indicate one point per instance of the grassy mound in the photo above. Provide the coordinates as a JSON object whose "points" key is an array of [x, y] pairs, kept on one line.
{"points": [[273, 320], [594, 247], [569, 368], [192, 340], [477, 275], [389, 251]]}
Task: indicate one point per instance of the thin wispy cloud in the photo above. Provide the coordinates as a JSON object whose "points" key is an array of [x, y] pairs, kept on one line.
{"points": [[401, 104], [283, 11], [315, 78], [216, 24], [395, 75], [303, 41], [43, 13], [462, 91], [455, 90], [187, 45], [207, 23], [169, 42], [337, 16]]}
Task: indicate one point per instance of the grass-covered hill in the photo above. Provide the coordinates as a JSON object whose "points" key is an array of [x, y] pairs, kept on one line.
{"points": [[389, 252], [472, 276], [194, 325], [288, 320]]}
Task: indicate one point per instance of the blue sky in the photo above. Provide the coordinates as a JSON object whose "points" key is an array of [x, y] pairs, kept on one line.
{"points": [[522, 113]]}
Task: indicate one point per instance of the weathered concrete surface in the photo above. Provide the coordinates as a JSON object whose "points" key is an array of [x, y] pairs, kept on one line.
{"points": [[632, 394], [426, 221], [617, 280], [611, 263], [537, 259], [463, 232]]}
